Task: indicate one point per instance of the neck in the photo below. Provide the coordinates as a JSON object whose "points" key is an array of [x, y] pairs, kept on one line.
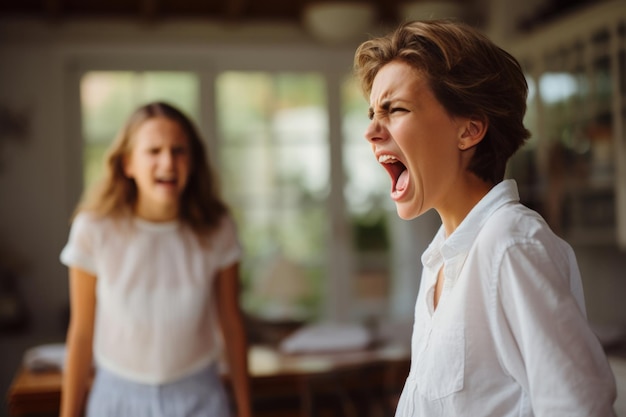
{"points": [[156, 213], [460, 202]]}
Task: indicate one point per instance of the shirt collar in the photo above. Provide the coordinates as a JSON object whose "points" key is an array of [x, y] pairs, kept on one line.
{"points": [[453, 250]]}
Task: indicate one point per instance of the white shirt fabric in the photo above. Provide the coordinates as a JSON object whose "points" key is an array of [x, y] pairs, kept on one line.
{"points": [[509, 336], [154, 316]]}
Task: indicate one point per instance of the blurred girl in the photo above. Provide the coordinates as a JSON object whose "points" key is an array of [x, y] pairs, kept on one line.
{"points": [[153, 267]]}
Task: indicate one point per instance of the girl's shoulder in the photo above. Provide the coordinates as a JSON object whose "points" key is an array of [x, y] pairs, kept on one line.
{"points": [[227, 227], [226, 222], [223, 225], [91, 221], [224, 236], [91, 217]]}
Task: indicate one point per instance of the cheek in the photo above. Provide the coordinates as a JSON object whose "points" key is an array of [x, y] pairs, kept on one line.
{"points": [[405, 133], [185, 168], [126, 165], [185, 163], [127, 170]]}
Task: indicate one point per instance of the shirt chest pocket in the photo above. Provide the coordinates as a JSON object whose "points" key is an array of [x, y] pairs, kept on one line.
{"points": [[439, 369]]}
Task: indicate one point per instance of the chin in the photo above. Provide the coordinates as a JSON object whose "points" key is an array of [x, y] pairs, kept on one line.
{"points": [[409, 210], [404, 213]]}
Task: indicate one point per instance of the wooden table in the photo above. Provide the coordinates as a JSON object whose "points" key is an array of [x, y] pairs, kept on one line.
{"points": [[351, 383]]}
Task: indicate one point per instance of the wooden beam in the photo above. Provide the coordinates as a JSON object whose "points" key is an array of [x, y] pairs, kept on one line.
{"points": [[52, 9], [148, 10], [234, 9]]}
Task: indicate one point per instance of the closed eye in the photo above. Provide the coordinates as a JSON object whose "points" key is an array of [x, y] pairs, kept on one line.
{"points": [[397, 109], [381, 113], [386, 109]]}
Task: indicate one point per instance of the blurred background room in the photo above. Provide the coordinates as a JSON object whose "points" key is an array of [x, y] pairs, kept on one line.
{"points": [[269, 83]]}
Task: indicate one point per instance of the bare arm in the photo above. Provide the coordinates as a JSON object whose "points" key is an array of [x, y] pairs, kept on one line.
{"points": [[78, 364], [231, 321]]}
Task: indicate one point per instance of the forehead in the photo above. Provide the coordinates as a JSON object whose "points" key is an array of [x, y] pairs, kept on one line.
{"points": [[159, 129], [396, 80]]}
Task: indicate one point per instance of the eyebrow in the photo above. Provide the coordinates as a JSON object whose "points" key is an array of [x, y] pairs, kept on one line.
{"points": [[385, 105]]}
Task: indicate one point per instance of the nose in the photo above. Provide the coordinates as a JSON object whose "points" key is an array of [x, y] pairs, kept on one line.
{"points": [[168, 158], [375, 132]]}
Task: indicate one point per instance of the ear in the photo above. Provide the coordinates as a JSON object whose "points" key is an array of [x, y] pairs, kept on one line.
{"points": [[472, 133]]}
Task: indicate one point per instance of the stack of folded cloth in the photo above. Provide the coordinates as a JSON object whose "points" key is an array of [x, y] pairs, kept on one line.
{"points": [[50, 357], [327, 337]]}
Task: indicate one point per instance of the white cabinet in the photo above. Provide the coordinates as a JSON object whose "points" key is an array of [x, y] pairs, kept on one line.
{"points": [[576, 68]]}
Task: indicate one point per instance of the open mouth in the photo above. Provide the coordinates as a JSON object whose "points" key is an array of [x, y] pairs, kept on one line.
{"points": [[166, 181], [397, 171]]}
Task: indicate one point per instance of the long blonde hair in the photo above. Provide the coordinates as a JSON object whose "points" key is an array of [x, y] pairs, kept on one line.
{"points": [[115, 195]]}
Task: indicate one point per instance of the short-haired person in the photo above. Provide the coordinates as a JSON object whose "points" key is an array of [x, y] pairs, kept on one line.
{"points": [[500, 324]]}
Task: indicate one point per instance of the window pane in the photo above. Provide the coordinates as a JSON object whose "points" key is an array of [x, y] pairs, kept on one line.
{"points": [[275, 175], [109, 97]]}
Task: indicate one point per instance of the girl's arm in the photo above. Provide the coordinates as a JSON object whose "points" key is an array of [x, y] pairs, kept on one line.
{"points": [[231, 321], [78, 363]]}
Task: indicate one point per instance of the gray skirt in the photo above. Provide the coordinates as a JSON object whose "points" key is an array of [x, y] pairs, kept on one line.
{"points": [[199, 395]]}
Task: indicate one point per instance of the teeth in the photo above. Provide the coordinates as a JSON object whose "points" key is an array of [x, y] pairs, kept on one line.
{"points": [[387, 159]]}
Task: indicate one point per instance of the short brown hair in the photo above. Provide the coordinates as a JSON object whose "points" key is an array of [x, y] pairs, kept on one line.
{"points": [[468, 74]]}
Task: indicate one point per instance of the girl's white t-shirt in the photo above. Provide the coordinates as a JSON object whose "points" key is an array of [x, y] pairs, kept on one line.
{"points": [[155, 319]]}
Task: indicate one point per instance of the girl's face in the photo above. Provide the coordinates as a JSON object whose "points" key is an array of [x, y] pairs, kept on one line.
{"points": [[415, 140], [159, 162]]}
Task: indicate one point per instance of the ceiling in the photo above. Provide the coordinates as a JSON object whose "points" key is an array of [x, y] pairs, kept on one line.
{"points": [[239, 11]]}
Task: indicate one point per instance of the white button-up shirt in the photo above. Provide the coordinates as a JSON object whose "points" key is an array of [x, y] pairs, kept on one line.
{"points": [[509, 337]]}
